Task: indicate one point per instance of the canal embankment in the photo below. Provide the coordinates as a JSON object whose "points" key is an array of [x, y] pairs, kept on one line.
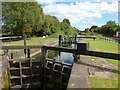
{"points": [[90, 73]]}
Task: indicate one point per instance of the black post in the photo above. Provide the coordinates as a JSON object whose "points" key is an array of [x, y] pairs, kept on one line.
{"points": [[25, 38], [75, 55], [75, 38], [11, 55], [81, 47], [94, 38], [43, 64], [60, 38], [11, 62], [28, 53], [60, 44]]}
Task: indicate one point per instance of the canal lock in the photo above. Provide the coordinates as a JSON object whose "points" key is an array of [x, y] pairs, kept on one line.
{"points": [[56, 74]]}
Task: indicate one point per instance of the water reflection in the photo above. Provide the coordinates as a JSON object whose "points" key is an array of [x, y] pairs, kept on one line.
{"points": [[68, 57], [65, 57]]}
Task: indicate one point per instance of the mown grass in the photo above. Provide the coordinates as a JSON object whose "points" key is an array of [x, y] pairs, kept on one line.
{"points": [[103, 83], [31, 41], [106, 46], [102, 45]]}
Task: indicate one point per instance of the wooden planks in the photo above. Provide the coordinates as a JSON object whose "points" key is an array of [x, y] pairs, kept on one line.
{"points": [[67, 64], [22, 47], [24, 59]]}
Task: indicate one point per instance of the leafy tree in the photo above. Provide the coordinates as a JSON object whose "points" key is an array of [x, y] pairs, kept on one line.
{"points": [[87, 30], [19, 16], [28, 17], [92, 32], [94, 27], [109, 28], [66, 21]]}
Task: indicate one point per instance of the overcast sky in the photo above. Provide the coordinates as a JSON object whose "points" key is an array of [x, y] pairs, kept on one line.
{"points": [[82, 13]]}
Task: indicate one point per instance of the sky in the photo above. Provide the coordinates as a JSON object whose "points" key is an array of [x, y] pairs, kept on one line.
{"points": [[82, 13]]}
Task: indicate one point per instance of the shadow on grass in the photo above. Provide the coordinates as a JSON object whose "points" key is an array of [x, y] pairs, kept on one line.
{"points": [[100, 68]]}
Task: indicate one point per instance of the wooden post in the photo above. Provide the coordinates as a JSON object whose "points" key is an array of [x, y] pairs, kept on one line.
{"points": [[11, 62], [31, 70], [30, 63], [60, 44], [21, 73], [94, 38], [11, 55], [43, 64], [53, 73], [25, 38], [28, 53], [81, 47], [75, 55], [61, 75], [60, 39]]}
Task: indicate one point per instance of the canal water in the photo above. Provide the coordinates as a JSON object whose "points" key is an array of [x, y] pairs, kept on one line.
{"points": [[68, 57]]}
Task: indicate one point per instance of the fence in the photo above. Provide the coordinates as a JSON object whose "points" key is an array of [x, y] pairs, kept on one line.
{"points": [[116, 40], [72, 40], [10, 38]]}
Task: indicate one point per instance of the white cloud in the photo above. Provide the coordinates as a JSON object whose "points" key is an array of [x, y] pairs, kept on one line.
{"points": [[99, 25], [54, 1], [83, 27], [45, 1], [80, 11]]}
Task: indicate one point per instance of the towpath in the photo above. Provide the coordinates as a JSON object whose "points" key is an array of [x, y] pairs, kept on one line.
{"points": [[88, 67], [20, 53]]}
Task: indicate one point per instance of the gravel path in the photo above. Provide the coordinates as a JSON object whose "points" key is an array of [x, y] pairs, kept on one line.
{"points": [[17, 54]]}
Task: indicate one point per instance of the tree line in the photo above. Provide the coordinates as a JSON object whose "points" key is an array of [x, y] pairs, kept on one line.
{"points": [[109, 29], [28, 17]]}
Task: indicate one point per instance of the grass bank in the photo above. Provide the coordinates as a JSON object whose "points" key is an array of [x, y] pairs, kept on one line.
{"points": [[31, 41], [106, 46]]}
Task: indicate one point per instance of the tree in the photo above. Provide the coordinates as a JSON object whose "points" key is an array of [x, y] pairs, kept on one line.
{"points": [[94, 27], [28, 17], [109, 28], [17, 16], [66, 21], [87, 30]]}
